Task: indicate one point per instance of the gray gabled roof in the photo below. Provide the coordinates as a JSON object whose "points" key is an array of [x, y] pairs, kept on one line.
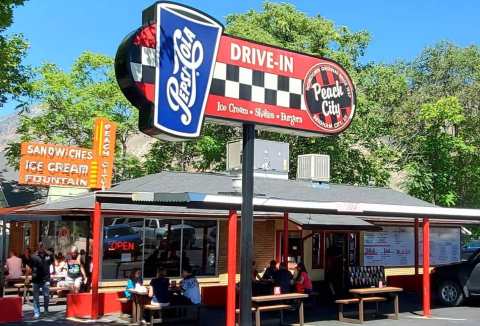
{"points": [[212, 183]]}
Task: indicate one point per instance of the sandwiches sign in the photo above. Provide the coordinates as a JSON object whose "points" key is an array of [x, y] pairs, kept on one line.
{"points": [[71, 166], [179, 69]]}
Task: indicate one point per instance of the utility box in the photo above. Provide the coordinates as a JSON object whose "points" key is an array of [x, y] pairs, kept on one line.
{"points": [[313, 167], [269, 156]]}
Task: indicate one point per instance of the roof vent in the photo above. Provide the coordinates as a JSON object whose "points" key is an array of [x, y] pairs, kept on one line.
{"points": [[313, 167]]}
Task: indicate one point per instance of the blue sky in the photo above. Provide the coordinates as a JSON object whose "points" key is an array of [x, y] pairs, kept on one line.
{"points": [[59, 30]]}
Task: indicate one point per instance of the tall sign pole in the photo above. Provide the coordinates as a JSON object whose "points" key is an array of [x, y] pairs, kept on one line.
{"points": [[247, 225]]}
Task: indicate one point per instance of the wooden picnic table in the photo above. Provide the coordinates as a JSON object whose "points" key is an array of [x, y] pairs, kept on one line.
{"points": [[364, 293], [279, 297]]}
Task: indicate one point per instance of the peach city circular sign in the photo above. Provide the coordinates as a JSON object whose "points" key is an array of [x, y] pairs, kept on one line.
{"points": [[329, 97]]}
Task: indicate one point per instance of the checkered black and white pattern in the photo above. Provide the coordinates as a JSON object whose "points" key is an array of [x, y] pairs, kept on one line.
{"points": [[257, 86], [142, 64], [230, 81]]}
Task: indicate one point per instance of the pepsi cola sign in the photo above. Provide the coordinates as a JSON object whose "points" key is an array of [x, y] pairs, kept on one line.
{"points": [[179, 69]]}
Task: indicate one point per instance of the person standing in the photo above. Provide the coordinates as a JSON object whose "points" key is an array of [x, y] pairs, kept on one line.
{"points": [[75, 271], [38, 266]]}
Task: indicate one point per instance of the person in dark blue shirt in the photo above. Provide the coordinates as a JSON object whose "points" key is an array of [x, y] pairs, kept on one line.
{"points": [[283, 278], [159, 289]]}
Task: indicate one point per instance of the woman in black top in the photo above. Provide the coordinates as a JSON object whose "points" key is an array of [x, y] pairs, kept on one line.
{"points": [[159, 289]]}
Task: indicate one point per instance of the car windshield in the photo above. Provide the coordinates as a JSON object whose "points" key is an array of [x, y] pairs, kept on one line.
{"points": [[118, 232]]}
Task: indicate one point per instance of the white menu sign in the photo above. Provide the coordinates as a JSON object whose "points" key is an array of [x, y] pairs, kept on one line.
{"points": [[394, 246]]}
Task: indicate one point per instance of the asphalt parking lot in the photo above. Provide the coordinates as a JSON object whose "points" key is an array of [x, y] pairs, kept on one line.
{"points": [[320, 315]]}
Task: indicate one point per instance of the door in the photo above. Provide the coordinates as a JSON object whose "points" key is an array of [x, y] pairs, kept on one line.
{"points": [[295, 247], [341, 251]]}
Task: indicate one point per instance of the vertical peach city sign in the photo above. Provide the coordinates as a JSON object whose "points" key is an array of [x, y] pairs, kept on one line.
{"points": [[103, 148], [71, 166]]}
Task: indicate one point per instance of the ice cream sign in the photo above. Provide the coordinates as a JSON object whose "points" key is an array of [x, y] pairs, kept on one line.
{"points": [[179, 69], [71, 166]]}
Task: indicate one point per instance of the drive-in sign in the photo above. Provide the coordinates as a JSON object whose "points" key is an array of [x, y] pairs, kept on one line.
{"points": [[178, 69]]}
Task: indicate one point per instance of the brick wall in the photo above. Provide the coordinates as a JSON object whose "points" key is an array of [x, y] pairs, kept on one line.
{"points": [[263, 242]]}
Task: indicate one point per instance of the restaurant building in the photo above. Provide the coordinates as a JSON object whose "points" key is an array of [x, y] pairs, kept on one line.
{"points": [[138, 236]]}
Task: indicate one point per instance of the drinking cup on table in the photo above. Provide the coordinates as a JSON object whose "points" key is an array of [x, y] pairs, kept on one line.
{"points": [[276, 290]]}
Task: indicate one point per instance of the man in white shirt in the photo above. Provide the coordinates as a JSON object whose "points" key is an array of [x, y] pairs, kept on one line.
{"points": [[14, 267]]}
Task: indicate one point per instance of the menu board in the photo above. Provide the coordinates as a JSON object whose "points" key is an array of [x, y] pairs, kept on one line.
{"points": [[394, 246]]}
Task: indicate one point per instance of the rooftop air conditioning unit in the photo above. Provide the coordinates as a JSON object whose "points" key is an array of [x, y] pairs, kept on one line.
{"points": [[313, 167]]}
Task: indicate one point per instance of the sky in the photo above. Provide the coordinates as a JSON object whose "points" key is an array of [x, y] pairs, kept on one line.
{"points": [[60, 30]]}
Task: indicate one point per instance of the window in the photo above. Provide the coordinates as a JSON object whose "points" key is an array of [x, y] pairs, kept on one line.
{"points": [[199, 246], [122, 247], [150, 243], [317, 250]]}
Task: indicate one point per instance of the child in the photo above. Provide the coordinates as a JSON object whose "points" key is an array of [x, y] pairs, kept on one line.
{"points": [[158, 290], [134, 279]]}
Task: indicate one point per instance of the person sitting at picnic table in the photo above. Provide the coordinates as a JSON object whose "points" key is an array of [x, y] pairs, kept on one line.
{"points": [[189, 287], [75, 271], [283, 278], [13, 267], [59, 266], [270, 271], [134, 279], [303, 283], [158, 290]]}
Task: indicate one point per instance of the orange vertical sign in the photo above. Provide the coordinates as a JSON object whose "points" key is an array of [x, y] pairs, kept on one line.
{"points": [[104, 152]]}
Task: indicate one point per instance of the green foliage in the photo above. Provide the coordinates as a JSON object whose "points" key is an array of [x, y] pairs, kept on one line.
{"points": [[205, 153], [13, 74], [283, 25], [436, 127], [66, 103]]}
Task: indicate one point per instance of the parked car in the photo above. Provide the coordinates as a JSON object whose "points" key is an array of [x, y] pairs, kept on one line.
{"points": [[469, 248], [455, 282], [121, 238]]}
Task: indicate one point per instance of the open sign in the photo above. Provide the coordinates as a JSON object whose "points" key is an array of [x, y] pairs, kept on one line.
{"points": [[121, 246]]}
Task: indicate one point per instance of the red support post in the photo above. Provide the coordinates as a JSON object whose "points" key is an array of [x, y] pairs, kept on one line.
{"points": [[426, 267], [231, 267], [285, 238], [415, 234], [96, 253]]}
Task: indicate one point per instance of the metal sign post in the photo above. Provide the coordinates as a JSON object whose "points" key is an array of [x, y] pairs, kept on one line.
{"points": [[247, 226]]}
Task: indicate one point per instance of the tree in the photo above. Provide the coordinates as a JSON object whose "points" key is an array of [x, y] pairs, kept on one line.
{"points": [[443, 77], [66, 104], [438, 150], [13, 74]]}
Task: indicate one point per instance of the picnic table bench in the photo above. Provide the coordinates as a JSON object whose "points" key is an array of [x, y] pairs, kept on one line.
{"points": [[259, 306], [364, 295]]}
